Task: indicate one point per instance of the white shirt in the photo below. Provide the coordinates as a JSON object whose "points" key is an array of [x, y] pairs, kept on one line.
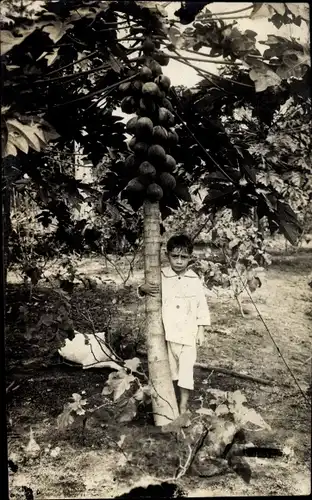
{"points": [[184, 306]]}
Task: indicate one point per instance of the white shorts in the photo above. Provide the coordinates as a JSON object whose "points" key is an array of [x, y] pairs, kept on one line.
{"points": [[181, 360]]}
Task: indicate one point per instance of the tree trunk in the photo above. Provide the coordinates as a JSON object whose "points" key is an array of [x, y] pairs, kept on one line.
{"points": [[6, 229], [11, 171], [6, 217], [164, 402]]}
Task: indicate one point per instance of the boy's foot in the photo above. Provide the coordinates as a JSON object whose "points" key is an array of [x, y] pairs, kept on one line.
{"points": [[185, 417], [183, 409]]}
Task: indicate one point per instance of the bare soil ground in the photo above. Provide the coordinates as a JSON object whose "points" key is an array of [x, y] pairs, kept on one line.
{"points": [[110, 459]]}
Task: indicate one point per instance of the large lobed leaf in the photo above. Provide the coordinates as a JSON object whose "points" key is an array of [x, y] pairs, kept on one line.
{"points": [[118, 383], [23, 136]]}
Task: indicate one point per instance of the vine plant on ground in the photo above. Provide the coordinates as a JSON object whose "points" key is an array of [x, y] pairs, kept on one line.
{"points": [[214, 434]]}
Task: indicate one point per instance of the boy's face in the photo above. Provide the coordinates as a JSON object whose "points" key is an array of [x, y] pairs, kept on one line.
{"points": [[179, 259]]}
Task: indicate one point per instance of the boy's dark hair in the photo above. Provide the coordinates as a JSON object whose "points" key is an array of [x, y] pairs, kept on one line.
{"points": [[180, 241]]}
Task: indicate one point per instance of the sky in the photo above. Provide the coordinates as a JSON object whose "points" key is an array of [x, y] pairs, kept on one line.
{"points": [[180, 74]]}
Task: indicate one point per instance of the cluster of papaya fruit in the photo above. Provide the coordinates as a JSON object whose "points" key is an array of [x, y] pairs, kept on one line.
{"points": [[152, 127]]}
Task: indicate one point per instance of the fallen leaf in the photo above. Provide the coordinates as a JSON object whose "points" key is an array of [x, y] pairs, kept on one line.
{"points": [[55, 452], [221, 410], [132, 364], [205, 411], [121, 440], [32, 450]]}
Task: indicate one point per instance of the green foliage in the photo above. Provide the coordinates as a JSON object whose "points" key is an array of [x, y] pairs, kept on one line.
{"points": [[38, 321], [117, 384], [285, 58], [280, 151], [65, 214], [128, 383], [127, 389], [281, 13], [222, 161], [25, 133], [188, 219], [233, 404], [235, 257], [72, 410], [216, 434], [61, 81], [63, 76]]}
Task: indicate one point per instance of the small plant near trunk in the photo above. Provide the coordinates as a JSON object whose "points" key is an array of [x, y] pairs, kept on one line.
{"points": [[128, 388], [212, 437]]}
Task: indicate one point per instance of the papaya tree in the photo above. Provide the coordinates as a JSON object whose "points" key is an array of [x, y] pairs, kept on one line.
{"points": [[67, 68], [152, 184], [25, 127]]}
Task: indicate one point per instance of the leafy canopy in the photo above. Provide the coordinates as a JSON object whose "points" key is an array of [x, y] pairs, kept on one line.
{"points": [[63, 62]]}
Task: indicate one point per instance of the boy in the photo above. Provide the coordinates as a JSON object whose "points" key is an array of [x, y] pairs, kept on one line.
{"points": [[185, 313]]}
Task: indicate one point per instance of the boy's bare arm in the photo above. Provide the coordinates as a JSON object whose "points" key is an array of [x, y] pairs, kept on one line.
{"points": [[148, 289]]}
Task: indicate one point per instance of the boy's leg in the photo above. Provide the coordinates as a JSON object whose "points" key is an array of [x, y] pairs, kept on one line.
{"points": [[173, 361], [176, 389], [187, 360], [184, 397], [174, 351]]}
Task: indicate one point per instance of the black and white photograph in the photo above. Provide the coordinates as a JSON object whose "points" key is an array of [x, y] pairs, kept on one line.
{"points": [[156, 186]]}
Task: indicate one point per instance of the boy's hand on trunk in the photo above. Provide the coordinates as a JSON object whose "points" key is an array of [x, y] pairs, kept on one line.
{"points": [[150, 289]]}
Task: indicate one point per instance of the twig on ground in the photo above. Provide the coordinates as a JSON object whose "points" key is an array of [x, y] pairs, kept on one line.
{"points": [[226, 371], [193, 452], [10, 386], [131, 263], [307, 360], [239, 305], [100, 342], [115, 267]]}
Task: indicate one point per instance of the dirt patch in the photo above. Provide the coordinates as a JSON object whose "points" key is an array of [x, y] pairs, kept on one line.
{"points": [[108, 459]]}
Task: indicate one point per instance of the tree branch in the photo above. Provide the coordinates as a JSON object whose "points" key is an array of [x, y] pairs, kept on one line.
{"points": [[72, 76], [225, 371], [205, 72], [96, 92], [204, 60], [209, 218], [73, 63], [231, 17], [200, 71], [233, 11], [191, 52]]}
